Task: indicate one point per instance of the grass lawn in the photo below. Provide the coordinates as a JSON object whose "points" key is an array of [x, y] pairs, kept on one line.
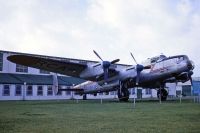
{"points": [[93, 117]]}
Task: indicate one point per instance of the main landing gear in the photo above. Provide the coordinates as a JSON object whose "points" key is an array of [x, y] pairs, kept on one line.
{"points": [[163, 94], [123, 93]]}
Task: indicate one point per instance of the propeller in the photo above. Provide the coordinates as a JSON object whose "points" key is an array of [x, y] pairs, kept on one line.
{"points": [[190, 77], [139, 68], [55, 84], [191, 81], [105, 64]]}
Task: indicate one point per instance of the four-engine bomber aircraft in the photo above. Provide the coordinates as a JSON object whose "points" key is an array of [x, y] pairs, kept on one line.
{"points": [[105, 76]]}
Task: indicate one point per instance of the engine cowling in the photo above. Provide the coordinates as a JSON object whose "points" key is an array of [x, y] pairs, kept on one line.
{"points": [[183, 77]]}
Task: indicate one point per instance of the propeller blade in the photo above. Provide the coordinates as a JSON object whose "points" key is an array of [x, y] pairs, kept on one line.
{"points": [[133, 58], [105, 65], [97, 65], [105, 74], [55, 84], [138, 78], [97, 55], [138, 68], [191, 81], [115, 61]]}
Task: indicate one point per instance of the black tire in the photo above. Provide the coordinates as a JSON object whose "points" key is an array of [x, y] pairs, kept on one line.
{"points": [[164, 94]]}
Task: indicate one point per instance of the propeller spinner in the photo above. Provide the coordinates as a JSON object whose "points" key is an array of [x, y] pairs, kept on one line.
{"points": [[105, 65], [138, 68]]}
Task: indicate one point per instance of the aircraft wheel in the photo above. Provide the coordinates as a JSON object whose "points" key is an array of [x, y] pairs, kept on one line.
{"points": [[123, 95], [164, 94]]}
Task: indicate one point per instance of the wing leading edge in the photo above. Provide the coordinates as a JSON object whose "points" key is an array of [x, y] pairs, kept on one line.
{"points": [[52, 65]]}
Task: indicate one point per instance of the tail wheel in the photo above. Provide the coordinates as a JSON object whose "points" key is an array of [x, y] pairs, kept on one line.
{"points": [[164, 94], [123, 95]]}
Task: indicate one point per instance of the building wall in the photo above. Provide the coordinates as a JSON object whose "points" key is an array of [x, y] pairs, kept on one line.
{"points": [[34, 96]]}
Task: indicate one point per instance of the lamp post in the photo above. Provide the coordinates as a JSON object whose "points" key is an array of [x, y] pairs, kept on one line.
{"points": [[24, 88], [72, 92]]}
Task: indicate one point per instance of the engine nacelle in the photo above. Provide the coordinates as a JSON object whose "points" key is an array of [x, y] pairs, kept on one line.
{"points": [[183, 76]]}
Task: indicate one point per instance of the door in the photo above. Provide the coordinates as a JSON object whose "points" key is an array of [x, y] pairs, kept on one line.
{"points": [[186, 90], [139, 93]]}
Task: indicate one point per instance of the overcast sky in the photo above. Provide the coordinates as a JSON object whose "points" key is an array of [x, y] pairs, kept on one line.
{"points": [[114, 28]]}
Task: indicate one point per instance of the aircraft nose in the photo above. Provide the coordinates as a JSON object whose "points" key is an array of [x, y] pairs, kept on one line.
{"points": [[190, 65]]}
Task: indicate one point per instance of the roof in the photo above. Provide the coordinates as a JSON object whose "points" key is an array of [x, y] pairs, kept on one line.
{"points": [[9, 78]]}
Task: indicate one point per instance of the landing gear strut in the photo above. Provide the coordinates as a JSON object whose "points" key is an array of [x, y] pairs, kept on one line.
{"points": [[164, 94], [123, 95]]}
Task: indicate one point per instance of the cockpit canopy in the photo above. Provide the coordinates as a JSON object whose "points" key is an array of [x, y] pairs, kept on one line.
{"points": [[177, 58], [168, 62], [158, 58]]}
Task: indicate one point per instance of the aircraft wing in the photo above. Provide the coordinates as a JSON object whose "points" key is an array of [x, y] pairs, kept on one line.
{"points": [[53, 65]]}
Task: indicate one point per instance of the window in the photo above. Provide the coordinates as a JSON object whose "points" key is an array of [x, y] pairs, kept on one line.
{"points": [[6, 90], [148, 91], [129, 91], [133, 91], [83, 62], [18, 90], [49, 91], [179, 59], [44, 72], [40, 91], [21, 68], [186, 90], [29, 91], [68, 93], [112, 93], [59, 92], [1, 61]]}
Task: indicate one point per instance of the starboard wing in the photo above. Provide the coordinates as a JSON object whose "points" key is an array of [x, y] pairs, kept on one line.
{"points": [[53, 65]]}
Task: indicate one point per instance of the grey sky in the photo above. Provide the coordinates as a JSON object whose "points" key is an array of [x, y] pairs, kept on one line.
{"points": [[73, 28]]}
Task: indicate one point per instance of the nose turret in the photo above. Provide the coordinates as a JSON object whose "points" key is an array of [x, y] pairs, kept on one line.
{"points": [[190, 65]]}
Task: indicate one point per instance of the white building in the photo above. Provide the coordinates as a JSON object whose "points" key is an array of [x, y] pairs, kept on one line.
{"points": [[19, 82]]}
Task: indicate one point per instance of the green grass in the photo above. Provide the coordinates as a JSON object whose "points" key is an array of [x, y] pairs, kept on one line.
{"points": [[93, 117]]}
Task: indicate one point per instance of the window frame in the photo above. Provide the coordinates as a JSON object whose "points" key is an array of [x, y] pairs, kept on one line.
{"points": [[68, 93], [148, 91], [27, 90], [16, 94], [59, 93], [1, 61], [43, 71], [21, 68], [39, 90], [133, 91], [48, 90], [4, 94], [112, 93]]}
